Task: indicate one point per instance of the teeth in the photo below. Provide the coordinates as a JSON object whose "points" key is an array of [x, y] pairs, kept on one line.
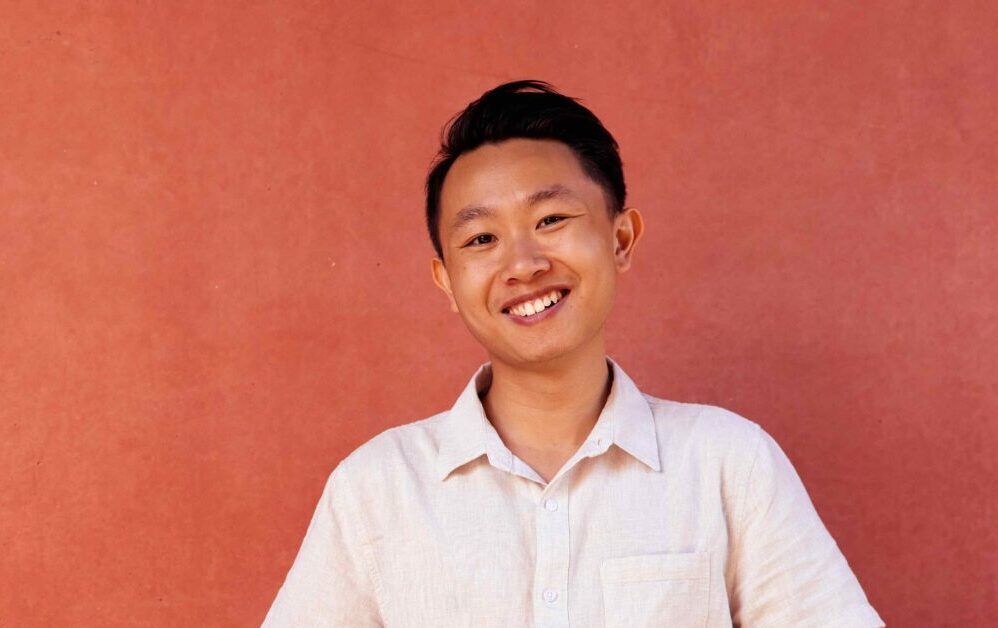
{"points": [[532, 307]]}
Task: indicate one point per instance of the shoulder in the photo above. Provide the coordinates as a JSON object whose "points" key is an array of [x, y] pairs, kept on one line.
{"points": [[711, 429], [720, 443], [406, 449]]}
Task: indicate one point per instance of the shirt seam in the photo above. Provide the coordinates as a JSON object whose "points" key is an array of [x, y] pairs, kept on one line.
{"points": [[739, 511], [374, 576], [367, 557]]}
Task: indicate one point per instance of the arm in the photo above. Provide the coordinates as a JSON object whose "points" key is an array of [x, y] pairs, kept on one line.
{"points": [[330, 582], [788, 570]]}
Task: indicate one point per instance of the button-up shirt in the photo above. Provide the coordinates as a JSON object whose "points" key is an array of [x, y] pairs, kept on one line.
{"points": [[670, 514]]}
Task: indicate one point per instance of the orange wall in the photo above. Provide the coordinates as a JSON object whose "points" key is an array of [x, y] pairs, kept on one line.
{"points": [[215, 280]]}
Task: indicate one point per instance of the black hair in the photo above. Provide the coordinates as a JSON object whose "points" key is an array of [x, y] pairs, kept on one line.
{"points": [[526, 109]]}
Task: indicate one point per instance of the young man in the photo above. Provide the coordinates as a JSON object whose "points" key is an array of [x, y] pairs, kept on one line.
{"points": [[554, 492]]}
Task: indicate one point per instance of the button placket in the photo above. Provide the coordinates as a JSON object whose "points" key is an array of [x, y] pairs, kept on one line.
{"points": [[551, 570]]}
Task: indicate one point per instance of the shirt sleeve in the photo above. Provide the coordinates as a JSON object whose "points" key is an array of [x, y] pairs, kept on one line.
{"points": [[788, 570], [330, 583]]}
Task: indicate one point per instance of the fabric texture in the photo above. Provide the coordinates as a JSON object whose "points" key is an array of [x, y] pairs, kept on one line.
{"points": [[670, 514]]}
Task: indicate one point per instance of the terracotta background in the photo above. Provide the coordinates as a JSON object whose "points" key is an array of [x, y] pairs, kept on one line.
{"points": [[214, 279]]}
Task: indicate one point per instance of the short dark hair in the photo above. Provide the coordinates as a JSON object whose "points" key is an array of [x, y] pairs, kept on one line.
{"points": [[526, 109]]}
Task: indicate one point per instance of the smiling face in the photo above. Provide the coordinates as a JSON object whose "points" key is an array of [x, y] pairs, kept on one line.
{"points": [[520, 220]]}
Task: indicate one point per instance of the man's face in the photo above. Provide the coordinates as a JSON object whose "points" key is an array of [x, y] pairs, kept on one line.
{"points": [[521, 218]]}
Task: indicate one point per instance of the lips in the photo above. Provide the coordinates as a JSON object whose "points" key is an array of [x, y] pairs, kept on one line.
{"points": [[523, 314], [537, 298]]}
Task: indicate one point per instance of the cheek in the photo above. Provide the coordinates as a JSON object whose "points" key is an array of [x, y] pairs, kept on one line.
{"points": [[589, 239], [469, 287], [592, 253]]}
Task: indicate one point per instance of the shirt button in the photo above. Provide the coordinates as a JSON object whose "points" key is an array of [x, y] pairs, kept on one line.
{"points": [[550, 595], [551, 504]]}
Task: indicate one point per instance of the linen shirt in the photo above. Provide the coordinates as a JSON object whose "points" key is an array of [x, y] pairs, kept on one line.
{"points": [[670, 514]]}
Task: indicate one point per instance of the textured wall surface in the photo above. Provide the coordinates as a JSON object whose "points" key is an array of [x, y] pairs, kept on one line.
{"points": [[214, 279]]}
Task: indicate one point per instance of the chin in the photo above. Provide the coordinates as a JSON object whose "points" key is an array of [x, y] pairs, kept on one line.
{"points": [[533, 354], [538, 351]]}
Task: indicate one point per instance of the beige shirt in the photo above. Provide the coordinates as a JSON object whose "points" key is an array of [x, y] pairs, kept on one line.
{"points": [[670, 514]]}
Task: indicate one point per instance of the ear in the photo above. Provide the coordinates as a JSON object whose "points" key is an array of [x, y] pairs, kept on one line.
{"points": [[442, 279], [628, 226]]}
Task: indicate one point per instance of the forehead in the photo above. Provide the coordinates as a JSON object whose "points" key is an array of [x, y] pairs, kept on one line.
{"points": [[505, 174]]}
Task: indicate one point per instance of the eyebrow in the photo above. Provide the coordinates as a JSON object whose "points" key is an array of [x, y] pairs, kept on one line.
{"points": [[475, 212]]}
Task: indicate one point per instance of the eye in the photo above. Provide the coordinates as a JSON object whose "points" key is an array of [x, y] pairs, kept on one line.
{"points": [[551, 220], [480, 239]]}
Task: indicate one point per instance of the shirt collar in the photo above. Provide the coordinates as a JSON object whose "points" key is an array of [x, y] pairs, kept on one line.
{"points": [[466, 434]]}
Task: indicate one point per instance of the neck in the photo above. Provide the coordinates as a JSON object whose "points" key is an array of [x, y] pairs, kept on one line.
{"points": [[548, 408]]}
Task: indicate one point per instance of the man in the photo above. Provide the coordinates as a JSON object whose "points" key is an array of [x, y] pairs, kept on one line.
{"points": [[554, 492]]}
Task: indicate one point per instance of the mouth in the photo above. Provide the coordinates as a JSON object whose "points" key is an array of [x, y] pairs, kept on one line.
{"points": [[538, 309]]}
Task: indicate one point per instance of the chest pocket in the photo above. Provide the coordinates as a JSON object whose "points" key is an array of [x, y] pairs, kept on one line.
{"points": [[656, 590]]}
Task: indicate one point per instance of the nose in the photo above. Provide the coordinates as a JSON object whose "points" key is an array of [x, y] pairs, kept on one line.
{"points": [[524, 260]]}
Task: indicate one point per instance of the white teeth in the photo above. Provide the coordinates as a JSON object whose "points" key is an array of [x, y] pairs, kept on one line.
{"points": [[537, 305]]}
